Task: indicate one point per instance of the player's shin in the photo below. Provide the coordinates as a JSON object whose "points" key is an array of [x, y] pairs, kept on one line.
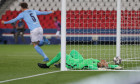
{"points": [[55, 59], [40, 51], [112, 66]]}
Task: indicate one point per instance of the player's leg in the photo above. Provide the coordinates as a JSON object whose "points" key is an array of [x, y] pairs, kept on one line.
{"points": [[76, 55], [43, 40], [69, 61], [73, 60], [35, 38], [112, 66], [117, 67], [40, 51], [54, 60]]}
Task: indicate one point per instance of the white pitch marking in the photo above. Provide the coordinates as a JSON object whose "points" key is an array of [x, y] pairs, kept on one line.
{"points": [[28, 76]]}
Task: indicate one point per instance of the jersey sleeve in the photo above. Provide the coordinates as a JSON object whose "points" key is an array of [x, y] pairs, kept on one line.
{"points": [[43, 12], [20, 16]]}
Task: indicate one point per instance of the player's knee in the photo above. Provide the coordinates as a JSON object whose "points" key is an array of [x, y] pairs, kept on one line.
{"points": [[35, 43]]}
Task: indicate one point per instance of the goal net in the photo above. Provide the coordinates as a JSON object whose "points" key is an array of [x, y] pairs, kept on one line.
{"points": [[130, 32], [102, 30]]}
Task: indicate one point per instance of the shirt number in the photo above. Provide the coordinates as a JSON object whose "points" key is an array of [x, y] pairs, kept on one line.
{"points": [[33, 18]]}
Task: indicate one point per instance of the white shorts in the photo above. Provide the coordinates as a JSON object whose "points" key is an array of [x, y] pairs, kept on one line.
{"points": [[58, 33], [36, 34]]}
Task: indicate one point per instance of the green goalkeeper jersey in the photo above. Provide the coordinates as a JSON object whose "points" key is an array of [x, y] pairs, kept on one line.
{"points": [[76, 61]]}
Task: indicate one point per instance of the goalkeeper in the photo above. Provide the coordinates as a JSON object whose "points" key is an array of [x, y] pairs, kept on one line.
{"points": [[75, 61]]}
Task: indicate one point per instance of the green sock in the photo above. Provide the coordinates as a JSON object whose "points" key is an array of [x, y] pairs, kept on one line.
{"points": [[112, 66], [54, 60]]}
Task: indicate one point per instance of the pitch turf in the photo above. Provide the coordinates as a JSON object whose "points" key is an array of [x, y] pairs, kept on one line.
{"points": [[21, 60]]}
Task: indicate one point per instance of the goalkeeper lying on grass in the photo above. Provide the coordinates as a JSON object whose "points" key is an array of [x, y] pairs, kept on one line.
{"points": [[75, 61]]}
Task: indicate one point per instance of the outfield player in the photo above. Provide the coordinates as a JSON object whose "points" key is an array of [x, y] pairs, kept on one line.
{"points": [[36, 31], [58, 27], [75, 61]]}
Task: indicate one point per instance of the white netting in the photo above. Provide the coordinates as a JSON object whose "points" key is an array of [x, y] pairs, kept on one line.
{"points": [[130, 40], [91, 30]]}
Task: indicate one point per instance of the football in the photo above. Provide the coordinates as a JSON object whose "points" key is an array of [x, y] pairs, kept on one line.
{"points": [[117, 60]]}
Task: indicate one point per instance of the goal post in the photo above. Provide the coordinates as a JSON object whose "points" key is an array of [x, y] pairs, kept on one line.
{"points": [[118, 39], [63, 36]]}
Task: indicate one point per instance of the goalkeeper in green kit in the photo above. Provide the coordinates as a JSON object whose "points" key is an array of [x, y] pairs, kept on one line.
{"points": [[75, 61]]}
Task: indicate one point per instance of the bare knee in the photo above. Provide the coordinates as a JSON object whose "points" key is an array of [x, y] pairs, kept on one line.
{"points": [[35, 43]]}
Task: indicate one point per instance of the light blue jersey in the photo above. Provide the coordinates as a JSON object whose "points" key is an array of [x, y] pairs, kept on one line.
{"points": [[30, 17]]}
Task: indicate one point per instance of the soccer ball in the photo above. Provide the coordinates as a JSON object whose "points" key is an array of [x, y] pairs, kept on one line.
{"points": [[117, 60]]}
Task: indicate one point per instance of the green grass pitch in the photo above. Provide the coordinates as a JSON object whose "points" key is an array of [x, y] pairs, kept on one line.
{"points": [[21, 60]]}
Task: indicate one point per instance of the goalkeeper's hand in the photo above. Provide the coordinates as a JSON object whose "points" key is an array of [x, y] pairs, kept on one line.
{"points": [[103, 63]]}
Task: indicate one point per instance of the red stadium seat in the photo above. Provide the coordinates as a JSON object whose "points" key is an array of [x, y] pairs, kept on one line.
{"points": [[81, 25], [82, 12], [72, 16], [3, 26], [94, 25], [68, 15], [85, 18], [102, 25], [76, 12], [85, 25], [90, 21], [77, 21], [81, 16], [72, 20], [72, 25], [77, 16], [98, 26], [77, 25], [107, 25], [68, 20], [68, 25], [82, 21], [94, 20], [90, 25], [89, 12]]}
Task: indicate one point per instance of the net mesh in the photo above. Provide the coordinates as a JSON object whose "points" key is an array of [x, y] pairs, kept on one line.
{"points": [[130, 19], [91, 30]]}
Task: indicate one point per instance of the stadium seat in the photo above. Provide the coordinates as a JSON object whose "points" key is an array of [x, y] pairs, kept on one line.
{"points": [[26, 0], [104, 8], [98, 8], [32, 1]]}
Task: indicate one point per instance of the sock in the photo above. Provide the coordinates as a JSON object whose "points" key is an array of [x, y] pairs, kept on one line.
{"points": [[41, 43], [54, 60], [46, 40], [112, 66], [40, 51]]}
